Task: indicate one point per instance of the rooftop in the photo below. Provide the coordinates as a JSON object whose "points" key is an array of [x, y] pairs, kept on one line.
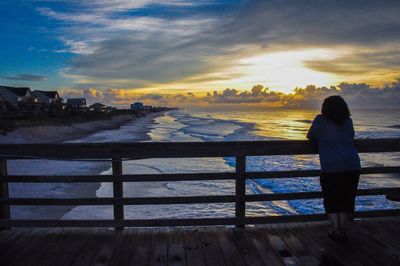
{"points": [[20, 91], [49, 94]]}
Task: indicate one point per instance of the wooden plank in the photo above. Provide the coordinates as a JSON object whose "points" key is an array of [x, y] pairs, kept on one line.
{"points": [[393, 197], [104, 247], [245, 247], [314, 194], [176, 248], [383, 252], [240, 191], [120, 201], [8, 252], [33, 254], [325, 256], [58, 201], [193, 250], [184, 200], [298, 248], [4, 208], [186, 222], [180, 150], [179, 177], [57, 245], [124, 178], [328, 251], [315, 173], [229, 250], [35, 239], [183, 176], [280, 247], [123, 252], [118, 192], [178, 222], [211, 250], [65, 247], [261, 245], [351, 253], [141, 252], [58, 178], [5, 236], [383, 230], [88, 250], [56, 223], [159, 248]]}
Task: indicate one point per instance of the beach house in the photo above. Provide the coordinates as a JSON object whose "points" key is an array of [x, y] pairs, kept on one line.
{"points": [[47, 97], [76, 103], [98, 107], [16, 95], [3, 106], [137, 106]]}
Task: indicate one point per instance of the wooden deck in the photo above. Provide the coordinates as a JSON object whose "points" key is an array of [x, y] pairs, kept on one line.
{"points": [[374, 241]]}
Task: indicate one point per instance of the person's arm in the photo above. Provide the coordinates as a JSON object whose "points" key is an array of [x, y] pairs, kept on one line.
{"points": [[312, 132]]}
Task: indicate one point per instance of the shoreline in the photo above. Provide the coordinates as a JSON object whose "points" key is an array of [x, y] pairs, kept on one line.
{"points": [[54, 134], [139, 127]]}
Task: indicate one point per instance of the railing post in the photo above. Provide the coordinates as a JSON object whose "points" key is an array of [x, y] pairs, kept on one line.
{"points": [[118, 192], [240, 206], [4, 208]]}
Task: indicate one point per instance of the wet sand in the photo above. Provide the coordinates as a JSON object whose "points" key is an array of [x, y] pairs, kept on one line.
{"points": [[132, 129]]}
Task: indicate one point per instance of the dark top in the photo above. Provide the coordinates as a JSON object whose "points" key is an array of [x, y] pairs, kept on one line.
{"points": [[337, 151]]}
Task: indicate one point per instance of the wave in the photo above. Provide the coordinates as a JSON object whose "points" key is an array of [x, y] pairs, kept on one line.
{"points": [[183, 126]]}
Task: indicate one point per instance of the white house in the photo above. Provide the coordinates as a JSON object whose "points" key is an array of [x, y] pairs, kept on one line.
{"points": [[47, 97], [15, 95]]}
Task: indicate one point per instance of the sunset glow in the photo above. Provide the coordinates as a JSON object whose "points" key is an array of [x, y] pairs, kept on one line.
{"points": [[177, 48]]}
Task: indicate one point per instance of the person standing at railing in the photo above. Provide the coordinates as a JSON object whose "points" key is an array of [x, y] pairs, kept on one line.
{"points": [[332, 131]]}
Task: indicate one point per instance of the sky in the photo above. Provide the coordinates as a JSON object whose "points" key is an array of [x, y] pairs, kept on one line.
{"points": [[236, 53]]}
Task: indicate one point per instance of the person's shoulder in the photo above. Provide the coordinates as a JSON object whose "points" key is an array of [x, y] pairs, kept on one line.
{"points": [[349, 122], [318, 118]]}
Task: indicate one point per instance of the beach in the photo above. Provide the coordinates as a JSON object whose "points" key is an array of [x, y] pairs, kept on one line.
{"points": [[183, 125], [51, 134], [132, 129]]}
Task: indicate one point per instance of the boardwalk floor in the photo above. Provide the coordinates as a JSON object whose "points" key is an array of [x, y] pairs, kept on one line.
{"points": [[370, 242]]}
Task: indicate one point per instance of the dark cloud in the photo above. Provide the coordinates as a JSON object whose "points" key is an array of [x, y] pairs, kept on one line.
{"points": [[24, 77], [149, 49], [358, 95]]}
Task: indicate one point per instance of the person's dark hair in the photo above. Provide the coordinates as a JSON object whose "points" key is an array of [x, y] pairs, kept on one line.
{"points": [[335, 109]]}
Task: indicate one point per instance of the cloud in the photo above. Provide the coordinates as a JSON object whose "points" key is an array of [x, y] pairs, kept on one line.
{"points": [[358, 95], [257, 94], [25, 77], [131, 41]]}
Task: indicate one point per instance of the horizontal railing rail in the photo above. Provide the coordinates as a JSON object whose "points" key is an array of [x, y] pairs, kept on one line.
{"points": [[116, 153]]}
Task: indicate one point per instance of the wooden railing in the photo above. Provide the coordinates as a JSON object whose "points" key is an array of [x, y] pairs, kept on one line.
{"points": [[117, 152]]}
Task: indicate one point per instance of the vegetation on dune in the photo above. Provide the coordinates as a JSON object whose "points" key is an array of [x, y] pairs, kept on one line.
{"points": [[11, 122]]}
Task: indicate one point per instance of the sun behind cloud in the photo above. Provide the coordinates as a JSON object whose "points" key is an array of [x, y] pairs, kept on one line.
{"points": [[284, 70]]}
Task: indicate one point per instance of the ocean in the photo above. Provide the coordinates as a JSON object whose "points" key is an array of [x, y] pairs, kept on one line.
{"points": [[200, 125], [189, 125]]}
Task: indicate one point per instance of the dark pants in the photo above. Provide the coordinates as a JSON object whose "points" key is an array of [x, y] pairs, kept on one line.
{"points": [[339, 190]]}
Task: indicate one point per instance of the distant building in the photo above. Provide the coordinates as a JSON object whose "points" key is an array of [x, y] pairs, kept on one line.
{"points": [[137, 106], [47, 97], [77, 103], [147, 107], [16, 95], [3, 105], [98, 107]]}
